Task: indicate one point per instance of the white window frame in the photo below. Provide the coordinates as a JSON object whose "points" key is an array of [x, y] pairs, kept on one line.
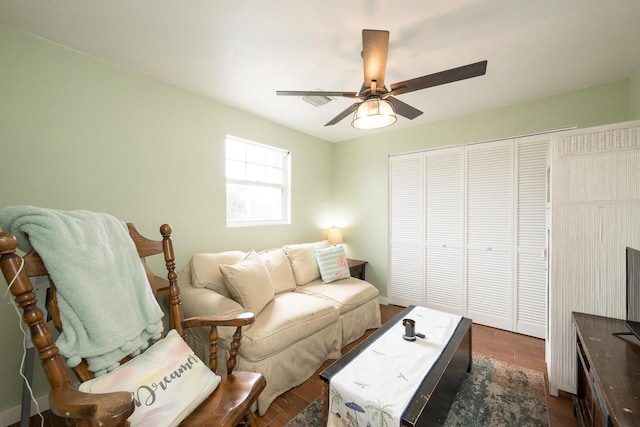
{"points": [[284, 186]]}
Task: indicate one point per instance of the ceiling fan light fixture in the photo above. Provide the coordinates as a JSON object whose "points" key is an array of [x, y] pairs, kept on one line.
{"points": [[374, 113]]}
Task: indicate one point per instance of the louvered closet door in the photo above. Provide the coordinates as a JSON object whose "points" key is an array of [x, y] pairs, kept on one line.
{"points": [[444, 183], [490, 290], [406, 230], [531, 271]]}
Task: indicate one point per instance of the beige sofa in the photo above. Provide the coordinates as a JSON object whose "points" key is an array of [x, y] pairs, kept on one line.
{"points": [[300, 321]]}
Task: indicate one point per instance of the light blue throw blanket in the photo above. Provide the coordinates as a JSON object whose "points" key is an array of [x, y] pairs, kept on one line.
{"points": [[103, 293]]}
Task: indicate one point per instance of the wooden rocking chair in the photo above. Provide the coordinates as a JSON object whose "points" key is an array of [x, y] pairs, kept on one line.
{"points": [[230, 404]]}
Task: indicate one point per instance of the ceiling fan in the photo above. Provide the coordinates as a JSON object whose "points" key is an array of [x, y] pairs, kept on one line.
{"points": [[378, 105]]}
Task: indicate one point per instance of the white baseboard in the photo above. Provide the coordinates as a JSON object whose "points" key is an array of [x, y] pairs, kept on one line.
{"points": [[12, 415], [383, 300]]}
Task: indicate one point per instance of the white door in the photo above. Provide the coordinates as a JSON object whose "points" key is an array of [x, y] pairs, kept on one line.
{"points": [[531, 234], [468, 233], [444, 239], [490, 199], [406, 230]]}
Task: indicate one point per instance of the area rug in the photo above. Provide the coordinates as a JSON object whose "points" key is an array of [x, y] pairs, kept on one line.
{"points": [[495, 394]]}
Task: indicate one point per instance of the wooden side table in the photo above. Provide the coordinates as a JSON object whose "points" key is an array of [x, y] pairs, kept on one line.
{"points": [[356, 268]]}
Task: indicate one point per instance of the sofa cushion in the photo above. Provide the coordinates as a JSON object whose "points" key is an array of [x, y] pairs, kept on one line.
{"points": [[345, 294], [332, 262], [303, 260], [249, 282], [205, 270], [167, 381], [289, 318], [279, 267]]}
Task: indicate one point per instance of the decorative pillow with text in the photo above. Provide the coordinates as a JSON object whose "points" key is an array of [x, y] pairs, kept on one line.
{"points": [[168, 381]]}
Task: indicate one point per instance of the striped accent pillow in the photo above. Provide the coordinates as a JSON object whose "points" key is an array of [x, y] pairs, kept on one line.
{"points": [[332, 263]]}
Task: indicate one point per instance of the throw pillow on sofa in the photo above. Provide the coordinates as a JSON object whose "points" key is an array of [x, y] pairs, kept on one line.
{"points": [[168, 381], [249, 282], [303, 260], [205, 270], [332, 263], [279, 267]]}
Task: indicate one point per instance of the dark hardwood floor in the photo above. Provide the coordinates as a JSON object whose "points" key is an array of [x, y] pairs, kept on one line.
{"points": [[520, 350]]}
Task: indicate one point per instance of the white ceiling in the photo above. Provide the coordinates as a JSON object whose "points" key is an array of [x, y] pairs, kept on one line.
{"points": [[240, 52]]}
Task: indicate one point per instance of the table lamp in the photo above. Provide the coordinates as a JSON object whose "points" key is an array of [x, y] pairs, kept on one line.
{"points": [[334, 236]]}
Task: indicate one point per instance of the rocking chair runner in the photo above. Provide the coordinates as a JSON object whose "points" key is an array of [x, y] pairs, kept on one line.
{"points": [[229, 405]]}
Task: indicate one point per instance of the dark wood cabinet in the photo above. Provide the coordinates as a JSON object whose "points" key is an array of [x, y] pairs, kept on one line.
{"points": [[608, 382], [356, 268]]}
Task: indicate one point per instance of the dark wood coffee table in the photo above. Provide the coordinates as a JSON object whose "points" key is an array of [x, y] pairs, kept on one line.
{"points": [[430, 404]]}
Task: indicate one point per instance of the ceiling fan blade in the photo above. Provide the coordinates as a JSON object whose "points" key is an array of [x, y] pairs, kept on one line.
{"points": [[443, 77], [405, 110], [375, 44], [315, 93], [345, 113]]}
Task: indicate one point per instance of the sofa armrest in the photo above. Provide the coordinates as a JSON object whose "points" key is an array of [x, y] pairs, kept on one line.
{"points": [[203, 301]]}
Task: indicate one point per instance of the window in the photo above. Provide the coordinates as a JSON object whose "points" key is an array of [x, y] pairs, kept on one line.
{"points": [[258, 185]]}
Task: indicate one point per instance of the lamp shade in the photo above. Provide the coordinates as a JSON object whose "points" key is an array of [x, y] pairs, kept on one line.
{"points": [[374, 113], [334, 236]]}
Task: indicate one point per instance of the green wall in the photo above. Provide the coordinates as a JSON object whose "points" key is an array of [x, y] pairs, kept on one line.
{"points": [[634, 96], [79, 133], [360, 165]]}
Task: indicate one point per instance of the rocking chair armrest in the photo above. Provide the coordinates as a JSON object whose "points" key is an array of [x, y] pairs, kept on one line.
{"points": [[104, 409], [233, 320], [236, 320]]}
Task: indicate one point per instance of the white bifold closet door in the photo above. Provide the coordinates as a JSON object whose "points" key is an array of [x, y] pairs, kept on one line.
{"points": [[468, 231], [490, 233], [406, 230], [531, 235], [444, 238]]}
